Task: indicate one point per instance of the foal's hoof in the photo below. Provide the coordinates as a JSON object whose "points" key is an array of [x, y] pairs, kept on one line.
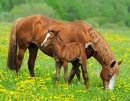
{"points": [[57, 82], [86, 86]]}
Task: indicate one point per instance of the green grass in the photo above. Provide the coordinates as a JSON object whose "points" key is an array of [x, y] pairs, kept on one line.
{"points": [[42, 87]]}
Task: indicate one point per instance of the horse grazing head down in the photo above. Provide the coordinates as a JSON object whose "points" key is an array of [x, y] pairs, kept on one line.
{"points": [[108, 74]]}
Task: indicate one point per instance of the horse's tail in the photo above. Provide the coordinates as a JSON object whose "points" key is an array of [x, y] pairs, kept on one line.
{"points": [[12, 52]]}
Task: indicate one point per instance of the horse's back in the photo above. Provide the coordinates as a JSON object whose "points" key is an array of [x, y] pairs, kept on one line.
{"points": [[30, 20]]}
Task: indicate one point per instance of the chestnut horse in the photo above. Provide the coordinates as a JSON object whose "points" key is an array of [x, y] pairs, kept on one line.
{"points": [[104, 55], [64, 53], [29, 33]]}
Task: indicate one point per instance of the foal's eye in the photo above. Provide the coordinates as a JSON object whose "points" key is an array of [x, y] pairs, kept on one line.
{"points": [[50, 38]]}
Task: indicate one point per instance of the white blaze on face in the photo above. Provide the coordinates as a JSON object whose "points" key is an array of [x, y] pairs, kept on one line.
{"points": [[111, 83], [46, 38]]}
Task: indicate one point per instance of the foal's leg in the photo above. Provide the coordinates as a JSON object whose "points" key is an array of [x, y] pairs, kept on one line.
{"points": [[32, 57], [75, 70], [82, 61], [58, 67], [65, 65], [20, 56], [84, 73], [72, 74]]}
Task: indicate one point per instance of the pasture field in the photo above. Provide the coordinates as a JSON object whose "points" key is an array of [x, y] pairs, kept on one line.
{"points": [[43, 88]]}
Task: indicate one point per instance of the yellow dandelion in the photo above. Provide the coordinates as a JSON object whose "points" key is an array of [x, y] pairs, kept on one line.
{"points": [[12, 93], [49, 78], [54, 72]]}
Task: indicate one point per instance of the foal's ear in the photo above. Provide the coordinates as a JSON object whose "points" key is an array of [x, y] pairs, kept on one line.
{"points": [[120, 62], [56, 32], [87, 44], [112, 64], [49, 30]]}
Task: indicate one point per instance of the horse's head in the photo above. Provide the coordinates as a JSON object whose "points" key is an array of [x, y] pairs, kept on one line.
{"points": [[48, 41], [108, 74]]}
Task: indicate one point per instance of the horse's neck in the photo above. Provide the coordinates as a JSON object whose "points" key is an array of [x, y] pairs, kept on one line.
{"points": [[104, 58], [104, 54], [56, 25]]}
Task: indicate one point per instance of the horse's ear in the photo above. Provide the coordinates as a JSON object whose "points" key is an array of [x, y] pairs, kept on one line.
{"points": [[120, 62], [112, 64]]}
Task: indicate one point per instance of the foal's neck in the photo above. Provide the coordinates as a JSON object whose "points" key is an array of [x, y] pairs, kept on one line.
{"points": [[57, 44]]}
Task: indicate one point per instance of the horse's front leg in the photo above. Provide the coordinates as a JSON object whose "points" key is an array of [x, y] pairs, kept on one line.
{"points": [[32, 57], [58, 67], [65, 65]]}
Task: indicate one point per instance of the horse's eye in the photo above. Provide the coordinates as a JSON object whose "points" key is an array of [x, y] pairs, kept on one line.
{"points": [[110, 75], [50, 38]]}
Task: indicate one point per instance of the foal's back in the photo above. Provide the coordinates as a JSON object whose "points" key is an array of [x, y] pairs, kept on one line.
{"points": [[72, 51]]}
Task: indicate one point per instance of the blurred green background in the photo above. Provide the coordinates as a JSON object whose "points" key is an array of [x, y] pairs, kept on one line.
{"points": [[100, 13]]}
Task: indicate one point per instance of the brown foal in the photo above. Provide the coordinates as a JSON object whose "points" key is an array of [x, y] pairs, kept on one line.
{"points": [[64, 53]]}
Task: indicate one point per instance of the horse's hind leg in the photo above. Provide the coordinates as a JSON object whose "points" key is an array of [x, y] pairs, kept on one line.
{"points": [[32, 57], [20, 58]]}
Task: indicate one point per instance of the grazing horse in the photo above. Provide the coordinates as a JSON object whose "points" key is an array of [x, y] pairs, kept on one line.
{"points": [[104, 55], [29, 33], [64, 53]]}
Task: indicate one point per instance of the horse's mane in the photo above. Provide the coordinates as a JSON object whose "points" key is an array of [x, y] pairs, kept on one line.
{"points": [[104, 54]]}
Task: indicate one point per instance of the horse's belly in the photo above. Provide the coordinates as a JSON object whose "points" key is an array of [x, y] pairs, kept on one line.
{"points": [[48, 51]]}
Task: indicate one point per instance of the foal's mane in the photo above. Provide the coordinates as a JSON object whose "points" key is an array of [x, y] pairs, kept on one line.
{"points": [[60, 39], [104, 54]]}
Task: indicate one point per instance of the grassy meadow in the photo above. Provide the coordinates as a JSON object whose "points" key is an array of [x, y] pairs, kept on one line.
{"points": [[43, 88]]}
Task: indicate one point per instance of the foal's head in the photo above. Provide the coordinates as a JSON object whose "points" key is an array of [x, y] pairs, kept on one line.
{"points": [[108, 74], [48, 41]]}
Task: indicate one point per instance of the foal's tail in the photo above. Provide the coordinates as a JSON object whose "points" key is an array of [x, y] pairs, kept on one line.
{"points": [[12, 52], [90, 44]]}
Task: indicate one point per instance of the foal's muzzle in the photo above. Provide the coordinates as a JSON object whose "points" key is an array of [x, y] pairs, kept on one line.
{"points": [[43, 46]]}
